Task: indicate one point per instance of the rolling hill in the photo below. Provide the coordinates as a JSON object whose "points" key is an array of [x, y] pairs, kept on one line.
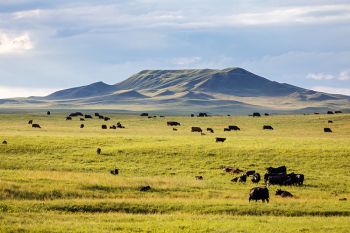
{"points": [[231, 90]]}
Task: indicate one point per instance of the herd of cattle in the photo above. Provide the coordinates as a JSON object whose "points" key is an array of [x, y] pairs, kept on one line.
{"points": [[273, 176]]}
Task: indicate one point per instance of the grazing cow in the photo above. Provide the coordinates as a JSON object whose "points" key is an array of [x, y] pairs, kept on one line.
{"points": [[269, 127], [202, 114], [210, 130], [88, 116], [299, 179], [199, 177], [220, 139], [4, 142], [115, 172], [36, 126], [149, 117], [82, 126], [101, 117], [259, 193], [228, 115], [30, 122], [235, 179], [283, 193], [104, 126], [226, 129], [237, 170], [343, 199], [106, 118], [330, 121], [234, 127], [74, 114], [192, 115], [228, 169], [203, 134], [98, 151], [327, 130], [48, 113], [173, 123], [97, 114], [144, 114], [316, 113], [256, 178], [256, 114], [249, 173], [242, 178], [337, 112], [266, 114], [196, 129], [145, 188], [161, 116], [82, 119], [330, 112], [174, 129], [68, 118], [281, 169], [113, 127]]}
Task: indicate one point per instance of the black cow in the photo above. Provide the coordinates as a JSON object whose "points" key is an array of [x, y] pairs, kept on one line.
{"points": [[30, 122], [98, 151], [256, 114], [327, 130], [330, 112], [74, 114], [249, 173], [113, 127], [4, 142], [68, 118], [174, 129], [82, 119], [106, 118], [115, 172], [173, 123], [281, 169], [82, 126], [330, 121], [199, 177], [48, 113], [256, 178], [210, 130], [144, 114], [278, 179], [234, 127], [202, 114], [283, 193], [192, 115], [259, 193], [196, 129], [268, 127], [88, 116], [220, 139], [145, 188], [97, 114], [299, 179], [337, 112], [104, 126], [266, 114], [226, 129], [101, 117], [36, 126]]}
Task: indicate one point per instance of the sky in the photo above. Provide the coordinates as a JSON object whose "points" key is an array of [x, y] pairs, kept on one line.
{"points": [[51, 45]]}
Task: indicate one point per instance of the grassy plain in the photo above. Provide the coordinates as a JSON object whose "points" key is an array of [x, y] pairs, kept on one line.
{"points": [[51, 179]]}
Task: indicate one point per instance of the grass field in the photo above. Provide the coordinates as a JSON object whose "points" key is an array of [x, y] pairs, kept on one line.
{"points": [[52, 180]]}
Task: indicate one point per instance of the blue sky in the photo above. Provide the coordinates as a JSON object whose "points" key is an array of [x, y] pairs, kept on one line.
{"points": [[50, 45]]}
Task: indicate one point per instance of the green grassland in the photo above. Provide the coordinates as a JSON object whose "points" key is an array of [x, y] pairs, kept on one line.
{"points": [[52, 180]]}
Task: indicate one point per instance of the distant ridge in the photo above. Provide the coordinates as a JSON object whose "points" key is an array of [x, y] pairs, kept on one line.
{"points": [[218, 91]]}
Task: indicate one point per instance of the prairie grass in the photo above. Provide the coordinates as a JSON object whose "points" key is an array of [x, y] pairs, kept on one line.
{"points": [[52, 180]]}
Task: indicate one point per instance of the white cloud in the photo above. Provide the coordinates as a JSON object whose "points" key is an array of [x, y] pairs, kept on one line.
{"points": [[14, 44], [319, 76], [11, 92], [344, 75], [332, 90], [184, 61], [27, 14]]}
